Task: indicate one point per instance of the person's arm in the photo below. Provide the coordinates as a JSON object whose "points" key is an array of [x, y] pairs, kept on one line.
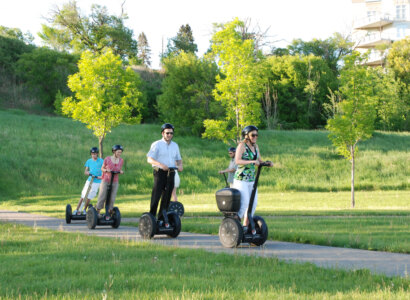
{"points": [[156, 163], [104, 167], [179, 165], [238, 156], [86, 171]]}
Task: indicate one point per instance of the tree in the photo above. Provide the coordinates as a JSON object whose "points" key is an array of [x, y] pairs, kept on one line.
{"points": [[239, 87], [187, 91], [332, 50], [106, 94], [45, 79], [184, 41], [70, 30], [144, 51], [398, 60], [354, 121], [298, 88], [16, 33]]}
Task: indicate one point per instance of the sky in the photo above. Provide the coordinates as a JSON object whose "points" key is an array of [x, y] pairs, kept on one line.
{"points": [[160, 20]]}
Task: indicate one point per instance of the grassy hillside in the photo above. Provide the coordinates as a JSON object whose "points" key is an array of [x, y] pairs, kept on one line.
{"points": [[45, 156]]}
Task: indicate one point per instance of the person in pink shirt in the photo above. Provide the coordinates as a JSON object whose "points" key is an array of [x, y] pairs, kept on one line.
{"points": [[111, 163]]}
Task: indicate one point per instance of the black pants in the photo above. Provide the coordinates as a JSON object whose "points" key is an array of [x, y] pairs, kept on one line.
{"points": [[163, 186]]}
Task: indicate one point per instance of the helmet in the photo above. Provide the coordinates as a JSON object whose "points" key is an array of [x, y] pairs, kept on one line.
{"points": [[117, 147], [166, 126], [232, 149], [248, 129], [94, 150]]}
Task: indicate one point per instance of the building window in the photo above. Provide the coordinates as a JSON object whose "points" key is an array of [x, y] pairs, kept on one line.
{"points": [[401, 12]]}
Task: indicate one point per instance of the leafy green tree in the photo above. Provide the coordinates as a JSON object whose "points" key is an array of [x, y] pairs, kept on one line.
{"points": [[144, 51], [332, 49], [187, 91], [296, 89], [70, 30], [106, 94], [183, 42], [45, 71], [16, 33], [239, 87], [354, 121], [398, 60]]}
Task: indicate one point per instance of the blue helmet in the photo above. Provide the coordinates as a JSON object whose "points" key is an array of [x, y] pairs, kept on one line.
{"points": [[94, 150], [117, 147]]}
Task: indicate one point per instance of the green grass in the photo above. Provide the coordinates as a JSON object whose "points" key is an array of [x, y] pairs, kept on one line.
{"points": [[38, 264], [43, 156], [389, 233]]}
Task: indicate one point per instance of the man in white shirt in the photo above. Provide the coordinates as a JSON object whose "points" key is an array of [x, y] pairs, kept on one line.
{"points": [[163, 156]]}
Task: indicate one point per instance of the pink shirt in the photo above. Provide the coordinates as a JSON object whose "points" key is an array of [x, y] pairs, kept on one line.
{"points": [[113, 167]]}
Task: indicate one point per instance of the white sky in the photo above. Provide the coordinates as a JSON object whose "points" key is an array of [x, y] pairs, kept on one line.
{"points": [[161, 19]]}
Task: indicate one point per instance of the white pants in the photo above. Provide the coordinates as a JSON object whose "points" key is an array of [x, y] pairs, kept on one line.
{"points": [[246, 190], [93, 191]]}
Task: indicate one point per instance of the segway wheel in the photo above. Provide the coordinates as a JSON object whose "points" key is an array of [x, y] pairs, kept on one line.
{"points": [[261, 230], [177, 207], [116, 217], [175, 222], [68, 214], [230, 233], [147, 226], [91, 217]]}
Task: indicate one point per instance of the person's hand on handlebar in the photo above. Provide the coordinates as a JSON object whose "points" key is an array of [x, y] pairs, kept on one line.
{"points": [[257, 163], [164, 167]]}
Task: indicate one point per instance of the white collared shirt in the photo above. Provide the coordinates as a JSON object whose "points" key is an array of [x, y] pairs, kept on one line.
{"points": [[165, 153]]}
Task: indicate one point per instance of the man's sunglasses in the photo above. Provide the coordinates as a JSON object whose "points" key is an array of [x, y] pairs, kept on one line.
{"points": [[254, 135], [171, 133]]}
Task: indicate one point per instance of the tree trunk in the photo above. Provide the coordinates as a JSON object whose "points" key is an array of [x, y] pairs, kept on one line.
{"points": [[100, 144], [352, 180]]}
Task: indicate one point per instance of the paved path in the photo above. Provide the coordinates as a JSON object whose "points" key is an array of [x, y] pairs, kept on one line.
{"points": [[391, 264]]}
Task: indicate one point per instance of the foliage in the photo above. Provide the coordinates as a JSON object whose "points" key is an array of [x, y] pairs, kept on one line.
{"points": [[239, 87], [182, 42], [298, 90], [151, 83], [398, 59], [70, 30], [356, 117], [187, 91], [332, 49], [144, 51], [48, 77], [10, 51], [16, 33], [106, 94]]}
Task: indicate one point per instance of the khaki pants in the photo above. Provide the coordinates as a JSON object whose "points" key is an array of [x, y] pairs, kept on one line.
{"points": [[103, 195]]}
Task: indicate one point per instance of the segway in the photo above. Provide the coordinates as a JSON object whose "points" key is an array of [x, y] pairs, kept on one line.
{"points": [[68, 210], [114, 220], [231, 232], [177, 207], [169, 222]]}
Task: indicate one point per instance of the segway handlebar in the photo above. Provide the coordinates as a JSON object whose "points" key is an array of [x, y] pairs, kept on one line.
{"points": [[265, 163]]}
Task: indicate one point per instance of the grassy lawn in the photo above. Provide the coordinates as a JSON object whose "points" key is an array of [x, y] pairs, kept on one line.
{"points": [[38, 263], [381, 220]]}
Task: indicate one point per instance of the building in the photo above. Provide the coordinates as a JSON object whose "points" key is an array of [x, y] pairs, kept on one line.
{"points": [[377, 24]]}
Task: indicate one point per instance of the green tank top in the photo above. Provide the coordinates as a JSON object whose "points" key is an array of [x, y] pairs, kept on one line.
{"points": [[247, 172]]}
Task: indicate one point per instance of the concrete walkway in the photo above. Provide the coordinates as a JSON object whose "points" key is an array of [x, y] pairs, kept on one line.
{"points": [[391, 264]]}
